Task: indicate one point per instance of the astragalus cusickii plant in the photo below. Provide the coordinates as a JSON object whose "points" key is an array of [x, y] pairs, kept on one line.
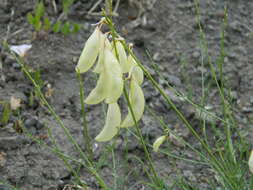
{"points": [[122, 74], [116, 70], [108, 55]]}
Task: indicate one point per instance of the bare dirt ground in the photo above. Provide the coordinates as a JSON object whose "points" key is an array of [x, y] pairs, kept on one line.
{"points": [[168, 30]]}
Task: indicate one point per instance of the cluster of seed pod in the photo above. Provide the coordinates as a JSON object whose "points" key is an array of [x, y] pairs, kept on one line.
{"points": [[112, 64]]}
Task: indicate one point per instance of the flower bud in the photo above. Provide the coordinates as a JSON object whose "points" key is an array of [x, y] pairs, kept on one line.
{"points": [[112, 123], [158, 142]]}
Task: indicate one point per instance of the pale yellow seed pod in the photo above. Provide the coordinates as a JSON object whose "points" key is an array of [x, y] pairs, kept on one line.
{"points": [[131, 61], [137, 101], [90, 52], [137, 73], [114, 77], [251, 162], [99, 93], [112, 123], [158, 142], [105, 43], [122, 57], [100, 62]]}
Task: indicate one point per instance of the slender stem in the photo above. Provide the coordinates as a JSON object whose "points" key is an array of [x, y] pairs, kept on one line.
{"points": [[165, 127], [59, 121], [220, 166], [180, 94], [217, 164], [226, 111], [147, 154], [87, 138]]}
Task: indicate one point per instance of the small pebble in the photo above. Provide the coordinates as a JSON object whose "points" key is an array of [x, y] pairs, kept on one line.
{"points": [[226, 60], [75, 59], [196, 54], [157, 57]]}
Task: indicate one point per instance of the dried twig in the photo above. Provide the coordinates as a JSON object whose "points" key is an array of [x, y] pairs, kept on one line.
{"points": [[94, 6]]}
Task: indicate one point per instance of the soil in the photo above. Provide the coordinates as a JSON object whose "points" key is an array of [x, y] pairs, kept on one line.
{"points": [[169, 32]]}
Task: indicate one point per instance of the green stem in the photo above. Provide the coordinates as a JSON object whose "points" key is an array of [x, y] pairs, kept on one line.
{"points": [[222, 169], [217, 165], [59, 121], [87, 138], [147, 154]]}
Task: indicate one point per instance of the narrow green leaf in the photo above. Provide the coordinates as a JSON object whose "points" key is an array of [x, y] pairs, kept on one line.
{"points": [[30, 18], [39, 10], [66, 4], [75, 28], [37, 25], [47, 24], [6, 114], [66, 28], [57, 27]]}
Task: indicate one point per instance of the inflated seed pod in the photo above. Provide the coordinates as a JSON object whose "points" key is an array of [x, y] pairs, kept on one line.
{"points": [[90, 52], [251, 162], [99, 93], [112, 123], [158, 142], [137, 102], [114, 77], [105, 43], [131, 61], [125, 66], [137, 73]]}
